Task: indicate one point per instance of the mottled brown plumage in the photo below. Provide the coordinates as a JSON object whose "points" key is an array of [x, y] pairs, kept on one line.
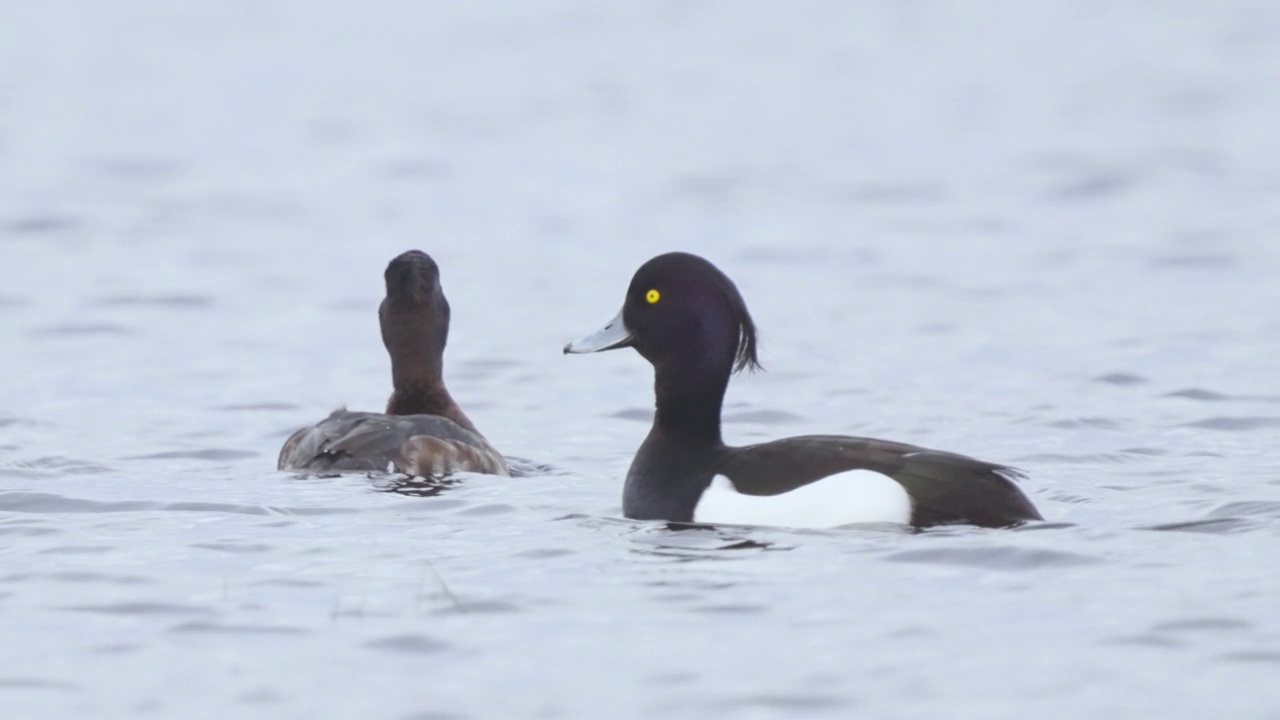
{"points": [[425, 445], [423, 431]]}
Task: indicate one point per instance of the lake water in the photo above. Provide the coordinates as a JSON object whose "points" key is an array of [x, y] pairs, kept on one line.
{"points": [[1038, 233]]}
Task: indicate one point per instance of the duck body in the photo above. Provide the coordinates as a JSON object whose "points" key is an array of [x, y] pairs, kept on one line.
{"points": [[819, 481], [688, 319], [418, 445], [423, 431]]}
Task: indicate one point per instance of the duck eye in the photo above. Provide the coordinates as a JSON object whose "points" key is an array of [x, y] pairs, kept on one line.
{"points": [[652, 296]]}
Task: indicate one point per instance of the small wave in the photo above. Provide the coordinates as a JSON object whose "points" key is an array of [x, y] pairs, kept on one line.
{"points": [[637, 414], [41, 224], [1212, 526], [178, 301], [1202, 624], [1235, 423], [523, 467], [224, 629], [763, 417], [1121, 378], [139, 608], [215, 454], [263, 406], [1087, 422], [995, 558], [1261, 508], [76, 329], [52, 464], [409, 643], [37, 502]]}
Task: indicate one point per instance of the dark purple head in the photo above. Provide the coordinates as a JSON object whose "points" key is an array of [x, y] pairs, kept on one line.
{"points": [[681, 311]]}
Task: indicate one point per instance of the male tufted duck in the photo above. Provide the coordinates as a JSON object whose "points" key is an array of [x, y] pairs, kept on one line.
{"points": [[423, 432], [686, 317]]}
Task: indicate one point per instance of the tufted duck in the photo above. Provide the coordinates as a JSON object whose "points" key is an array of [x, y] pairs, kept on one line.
{"points": [[686, 317]]}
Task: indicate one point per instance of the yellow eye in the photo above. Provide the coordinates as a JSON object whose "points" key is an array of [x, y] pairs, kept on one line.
{"points": [[652, 296]]}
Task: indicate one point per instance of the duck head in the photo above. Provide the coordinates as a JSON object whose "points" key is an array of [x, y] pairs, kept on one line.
{"points": [[681, 313], [414, 315]]}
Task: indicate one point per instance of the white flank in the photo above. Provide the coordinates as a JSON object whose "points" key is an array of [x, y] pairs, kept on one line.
{"points": [[854, 496]]}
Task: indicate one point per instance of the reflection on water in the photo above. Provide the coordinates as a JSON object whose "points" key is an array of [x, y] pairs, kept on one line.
{"points": [[415, 486]]}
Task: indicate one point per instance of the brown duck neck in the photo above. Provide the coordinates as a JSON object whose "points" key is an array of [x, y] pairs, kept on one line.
{"points": [[417, 368], [423, 396]]}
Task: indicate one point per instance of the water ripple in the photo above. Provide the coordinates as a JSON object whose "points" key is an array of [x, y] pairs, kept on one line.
{"points": [[225, 629], [1203, 395], [36, 502], [52, 464], [409, 643], [1100, 423], [41, 224], [995, 557], [235, 547], [1080, 459], [1253, 656], [1263, 508], [1203, 624], [216, 454], [177, 301], [1121, 378], [762, 417], [791, 704], [31, 683], [78, 329], [139, 608], [1235, 423], [1212, 526]]}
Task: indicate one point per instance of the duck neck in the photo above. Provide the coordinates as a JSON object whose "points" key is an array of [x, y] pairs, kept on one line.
{"points": [[415, 397], [419, 389], [414, 366], [688, 404]]}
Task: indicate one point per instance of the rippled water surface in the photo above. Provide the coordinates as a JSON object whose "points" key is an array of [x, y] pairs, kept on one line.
{"points": [[1039, 233]]}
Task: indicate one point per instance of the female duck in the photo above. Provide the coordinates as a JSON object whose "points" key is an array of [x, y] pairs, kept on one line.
{"points": [[423, 432], [687, 318]]}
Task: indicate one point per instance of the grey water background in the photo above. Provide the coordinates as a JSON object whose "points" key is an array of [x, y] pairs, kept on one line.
{"points": [[1039, 233]]}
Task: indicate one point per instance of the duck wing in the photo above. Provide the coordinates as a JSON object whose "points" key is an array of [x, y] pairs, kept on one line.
{"points": [[419, 445], [945, 488]]}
